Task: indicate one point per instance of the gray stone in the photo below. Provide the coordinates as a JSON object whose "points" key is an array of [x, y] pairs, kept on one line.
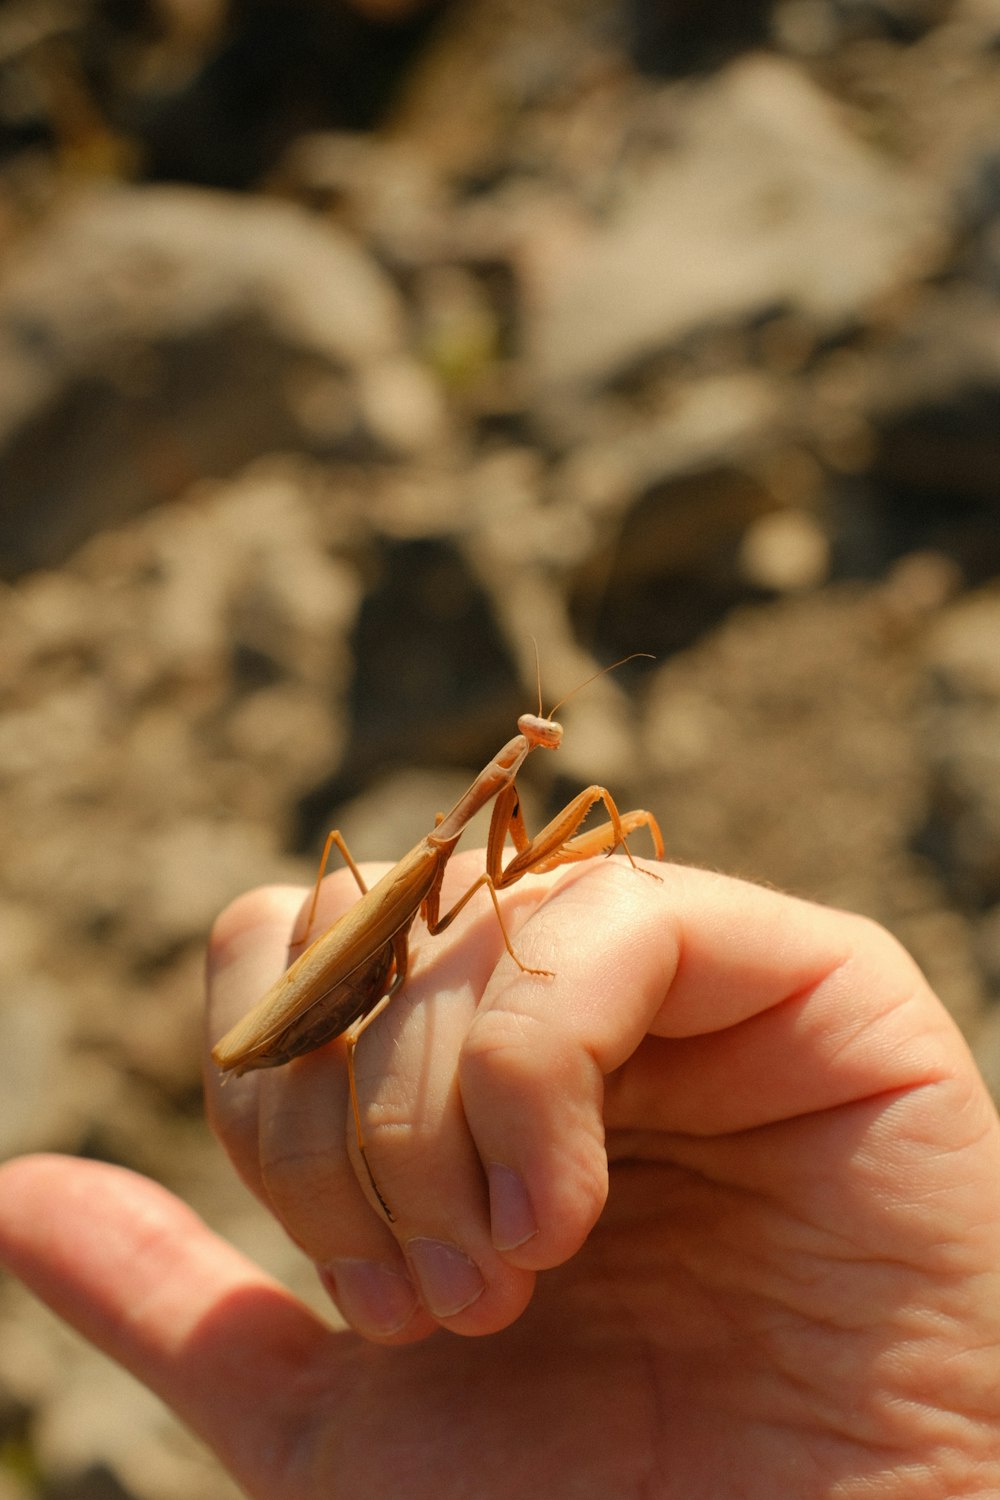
{"points": [[767, 201]]}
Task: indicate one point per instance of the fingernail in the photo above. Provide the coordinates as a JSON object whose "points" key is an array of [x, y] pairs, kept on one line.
{"points": [[449, 1280], [374, 1298], [512, 1218]]}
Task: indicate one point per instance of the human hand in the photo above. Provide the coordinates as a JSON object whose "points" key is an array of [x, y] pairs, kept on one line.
{"points": [[791, 1290]]}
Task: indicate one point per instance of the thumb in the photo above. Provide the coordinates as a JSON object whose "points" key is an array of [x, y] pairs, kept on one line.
{"points": [[139, 1275]]}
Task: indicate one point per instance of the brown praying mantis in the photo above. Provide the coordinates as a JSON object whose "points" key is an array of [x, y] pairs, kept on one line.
{"points": [[348, 975]]}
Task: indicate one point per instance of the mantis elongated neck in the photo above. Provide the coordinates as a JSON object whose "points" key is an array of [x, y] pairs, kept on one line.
{"points": [[492, 779]]}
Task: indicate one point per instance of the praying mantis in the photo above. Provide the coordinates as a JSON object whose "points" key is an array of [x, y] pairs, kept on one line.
{"points": [[349, 974]]}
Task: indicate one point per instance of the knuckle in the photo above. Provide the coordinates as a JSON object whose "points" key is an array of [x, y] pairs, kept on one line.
{"points": [[293, 1173], [312, 1199], [503, 1043]]}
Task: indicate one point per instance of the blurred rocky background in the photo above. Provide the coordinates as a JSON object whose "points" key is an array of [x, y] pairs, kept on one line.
{"points": [[345, 350]]}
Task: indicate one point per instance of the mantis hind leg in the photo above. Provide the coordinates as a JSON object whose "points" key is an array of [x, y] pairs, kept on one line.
{"points": [[352, 1042], [400, 948], [333, 837]]}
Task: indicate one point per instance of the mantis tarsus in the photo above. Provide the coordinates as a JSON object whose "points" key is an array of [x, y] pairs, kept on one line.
{"points": [[349, 974]]}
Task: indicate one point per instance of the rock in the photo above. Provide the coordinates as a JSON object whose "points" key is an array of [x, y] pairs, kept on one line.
{"points": [[192, 866], [786, 550], [988, 950], [403, 408], [149, 335], [766, 201], [38, 1097], [154, 262], [962, 732], [399, 809], [817, 27], [986, 1050]]}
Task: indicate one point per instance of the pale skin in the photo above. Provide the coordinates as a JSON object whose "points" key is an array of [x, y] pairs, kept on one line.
{"points": [[792, 1288]]}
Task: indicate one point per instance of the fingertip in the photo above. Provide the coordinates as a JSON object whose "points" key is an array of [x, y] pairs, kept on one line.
{"points": [[568, 1191], [245, 916], [19, 1169], [378, 1300], [507, 1291], [536, 1113], [512, 1215], [28, 1186], [62, 1219]]}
